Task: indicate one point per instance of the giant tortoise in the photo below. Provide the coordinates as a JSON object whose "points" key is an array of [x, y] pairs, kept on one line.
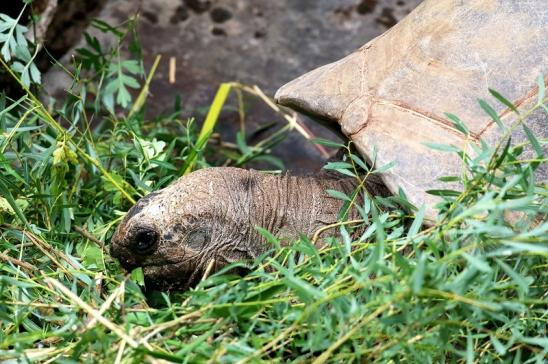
{"points": [[390, 98]]}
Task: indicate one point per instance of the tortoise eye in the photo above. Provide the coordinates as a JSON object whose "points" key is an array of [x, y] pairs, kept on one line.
{"points": [[144, 241], [196, 240]]}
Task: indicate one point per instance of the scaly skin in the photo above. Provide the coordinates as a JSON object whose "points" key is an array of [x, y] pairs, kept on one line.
{"points": [[211, 214]]}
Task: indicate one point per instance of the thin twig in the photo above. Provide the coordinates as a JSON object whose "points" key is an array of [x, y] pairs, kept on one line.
{"points": [[88, 236], [49, 251], [208, 269], [290, 116], [17, 262], [318, 232], [140, 100], [106, 304], [120, 353]]}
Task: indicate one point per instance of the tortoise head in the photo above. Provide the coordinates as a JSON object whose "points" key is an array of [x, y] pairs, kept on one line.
{"points": [[175, 233]]}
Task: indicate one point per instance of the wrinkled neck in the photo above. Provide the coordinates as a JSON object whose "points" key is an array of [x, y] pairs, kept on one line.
{"points": [[288, 206]]}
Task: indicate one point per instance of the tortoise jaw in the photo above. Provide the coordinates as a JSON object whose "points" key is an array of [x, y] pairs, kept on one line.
{"points": [[172, 276]]}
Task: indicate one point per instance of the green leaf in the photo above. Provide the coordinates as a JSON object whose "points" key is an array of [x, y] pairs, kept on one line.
{"points": [[269, 237], [163, 164], [161, 355], [4, 191], [491, 112], [106, 27], [458, 123], [502, 157], [504, 100], [418, 274], [478, 263], [25, 77], [469, 348], [131, 66], [35, 73], [530, 248], [338, 195], [138, 276], [306, 292], [515, 204], [241, 143], [359, 162], [384, 168], [534, 142], [541, 89], [417, 223], [341, 167], [515, 276], [442, 147], [338, 165], [499, 347], [130, 82], [328, 143], [347, 241], [92, 255], [123, 97], [444, 193], [449, 179]]}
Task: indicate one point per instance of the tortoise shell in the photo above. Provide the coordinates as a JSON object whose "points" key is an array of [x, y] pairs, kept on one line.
{"points": [[390, 97]]}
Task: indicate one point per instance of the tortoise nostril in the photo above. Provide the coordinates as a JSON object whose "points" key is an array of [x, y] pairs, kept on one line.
{"points": [[144, 241]]}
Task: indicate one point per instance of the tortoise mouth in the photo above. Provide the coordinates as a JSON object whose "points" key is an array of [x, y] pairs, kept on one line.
{"points": [[168, 276], [165, 258], [157, 267]]}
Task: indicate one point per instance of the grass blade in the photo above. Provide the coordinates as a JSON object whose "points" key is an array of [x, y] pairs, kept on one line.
{"points": [[503, 100], [209, 124]]}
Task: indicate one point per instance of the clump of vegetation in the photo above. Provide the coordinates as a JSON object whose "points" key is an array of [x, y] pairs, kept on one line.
{"points": [[471, 288]]}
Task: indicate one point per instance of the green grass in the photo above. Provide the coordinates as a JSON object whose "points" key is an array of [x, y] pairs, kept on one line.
{"points": [[473, 288]]}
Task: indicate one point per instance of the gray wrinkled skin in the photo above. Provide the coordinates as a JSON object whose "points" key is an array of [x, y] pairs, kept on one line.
{"points": [[210, 216]]}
